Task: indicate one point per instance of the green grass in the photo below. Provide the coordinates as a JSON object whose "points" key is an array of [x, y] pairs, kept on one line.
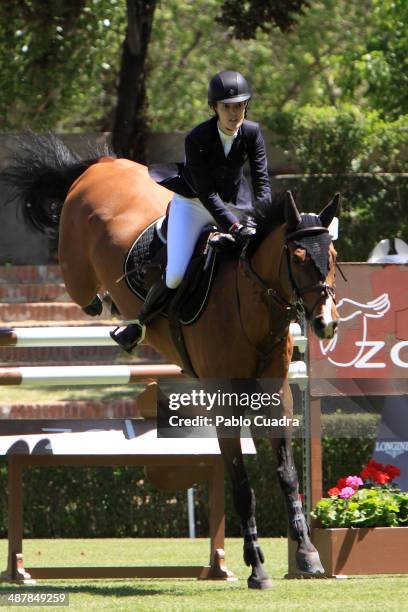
{"points": [[373, 593], [35, 394]]}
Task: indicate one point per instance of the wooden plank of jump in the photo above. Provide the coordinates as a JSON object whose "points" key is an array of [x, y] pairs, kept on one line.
{"points": [[15, 566], [316, 451], [164, 571], [16, 572]]}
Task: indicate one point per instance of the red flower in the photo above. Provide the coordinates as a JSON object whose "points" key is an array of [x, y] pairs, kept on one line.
{"points": [[366, 473], [378, 466], [381, 477], [379, 473], [392, 471], [341, 483], [333, 492], [374, 465]]}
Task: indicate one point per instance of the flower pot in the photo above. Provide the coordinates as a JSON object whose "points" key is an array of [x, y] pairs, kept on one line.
{"points": [[376, 550]]}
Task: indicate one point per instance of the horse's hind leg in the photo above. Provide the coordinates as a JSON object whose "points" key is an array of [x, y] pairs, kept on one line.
{"points": [[244, 501], [80, 280], [307, 557]]}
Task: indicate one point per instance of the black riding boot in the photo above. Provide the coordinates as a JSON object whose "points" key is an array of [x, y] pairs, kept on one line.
{"points": [[132, 335]]}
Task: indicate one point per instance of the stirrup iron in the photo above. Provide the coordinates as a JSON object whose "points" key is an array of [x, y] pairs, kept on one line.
{"points": [[121, 335]]}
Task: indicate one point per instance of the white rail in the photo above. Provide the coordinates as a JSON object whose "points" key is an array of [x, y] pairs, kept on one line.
{"points": [[31, 337]]}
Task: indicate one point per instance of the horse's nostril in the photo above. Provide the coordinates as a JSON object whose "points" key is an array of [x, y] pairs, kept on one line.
{"points": [[318, 325]]}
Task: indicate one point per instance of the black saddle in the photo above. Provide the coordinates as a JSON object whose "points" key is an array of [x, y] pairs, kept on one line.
{"points": [[147, 260]]}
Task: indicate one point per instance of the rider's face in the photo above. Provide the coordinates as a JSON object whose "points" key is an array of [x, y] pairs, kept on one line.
{"points": [[230, 115]]}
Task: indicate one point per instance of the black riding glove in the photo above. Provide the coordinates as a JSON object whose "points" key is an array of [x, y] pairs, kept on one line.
{"points": [[242, 233], [222, 242]]}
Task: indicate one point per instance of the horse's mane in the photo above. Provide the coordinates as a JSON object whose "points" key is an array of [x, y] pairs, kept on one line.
{"points": [[40, 171], [266, 215]]}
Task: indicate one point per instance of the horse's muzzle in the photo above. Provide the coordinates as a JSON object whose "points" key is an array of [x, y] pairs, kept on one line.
{"points": [[323, 330]]}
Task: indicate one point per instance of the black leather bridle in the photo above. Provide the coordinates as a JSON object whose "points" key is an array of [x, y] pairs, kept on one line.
{"points": [[324, 289], [291, 311]]}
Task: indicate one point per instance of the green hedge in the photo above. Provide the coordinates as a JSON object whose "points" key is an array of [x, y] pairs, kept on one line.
{"points": [[372, 208], [341, 139], [344, 149], [120, 502]]}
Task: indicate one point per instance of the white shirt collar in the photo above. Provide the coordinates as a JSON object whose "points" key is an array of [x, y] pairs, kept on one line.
{"points": [[226, 137]]}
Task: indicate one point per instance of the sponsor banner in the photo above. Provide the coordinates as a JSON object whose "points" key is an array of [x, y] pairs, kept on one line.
{"points": [[392, 437], [369, 355]]}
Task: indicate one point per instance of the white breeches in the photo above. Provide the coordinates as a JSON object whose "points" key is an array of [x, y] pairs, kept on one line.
{"points": [[186, 220]]}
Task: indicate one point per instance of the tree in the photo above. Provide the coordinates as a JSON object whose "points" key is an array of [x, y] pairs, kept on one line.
{"points": [[384, 64], [57, 62], [246, 17], [129, 130], [308, 65], [60, 61]]}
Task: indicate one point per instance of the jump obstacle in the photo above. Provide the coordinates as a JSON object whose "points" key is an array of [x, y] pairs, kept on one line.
{"points": [[98, 374], [192, 460], [86, 336]]}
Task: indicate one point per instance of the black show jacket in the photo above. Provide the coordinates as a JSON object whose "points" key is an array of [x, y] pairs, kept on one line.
{"points": [[216, 179]]}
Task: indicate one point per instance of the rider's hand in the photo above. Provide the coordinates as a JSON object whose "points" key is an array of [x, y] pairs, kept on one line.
{"points": [[222, 242], [242, 233]]}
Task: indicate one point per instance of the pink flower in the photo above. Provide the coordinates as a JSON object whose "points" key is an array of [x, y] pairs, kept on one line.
{"points": [[347, 492], [354, 482]]}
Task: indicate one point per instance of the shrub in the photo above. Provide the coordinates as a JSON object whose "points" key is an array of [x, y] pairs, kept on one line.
{"points": [[343, 149]]}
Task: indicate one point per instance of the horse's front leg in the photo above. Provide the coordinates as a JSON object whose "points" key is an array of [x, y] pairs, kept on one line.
{"points": [[307, 557], [244, 501]]}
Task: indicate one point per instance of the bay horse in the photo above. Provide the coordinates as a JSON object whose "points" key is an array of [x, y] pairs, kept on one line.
{"points": [[101, 204]]}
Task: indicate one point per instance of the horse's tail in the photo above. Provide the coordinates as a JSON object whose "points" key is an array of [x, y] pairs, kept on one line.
{"points": [[40, 172]]}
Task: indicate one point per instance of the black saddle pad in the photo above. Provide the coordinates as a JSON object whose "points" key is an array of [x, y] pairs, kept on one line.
{"points": [[147, 259]]}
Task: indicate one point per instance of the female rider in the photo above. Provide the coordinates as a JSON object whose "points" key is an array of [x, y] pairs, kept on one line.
{"points": [[210, 188]]}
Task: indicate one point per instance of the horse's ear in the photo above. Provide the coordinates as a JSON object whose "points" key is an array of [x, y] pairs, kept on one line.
{"points": [[329, 211], [292, 215]]}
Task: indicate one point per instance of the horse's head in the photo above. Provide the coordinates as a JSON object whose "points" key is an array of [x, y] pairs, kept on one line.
{"points": [[311, 264]]}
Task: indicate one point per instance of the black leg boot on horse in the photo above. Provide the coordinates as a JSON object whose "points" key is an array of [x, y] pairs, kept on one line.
{"points": [[157, 298], [244, 502], [307, 558]]}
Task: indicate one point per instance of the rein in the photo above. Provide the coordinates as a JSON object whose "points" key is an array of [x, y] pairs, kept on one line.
{"points": [[273, 301], [290, 311]]}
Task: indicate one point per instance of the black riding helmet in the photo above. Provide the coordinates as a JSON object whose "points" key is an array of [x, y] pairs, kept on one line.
{"points": [[228, 86]]}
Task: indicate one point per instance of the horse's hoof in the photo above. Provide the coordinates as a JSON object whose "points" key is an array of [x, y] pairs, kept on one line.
{"points": [[309, 564], [259, 583], [94, 309]]}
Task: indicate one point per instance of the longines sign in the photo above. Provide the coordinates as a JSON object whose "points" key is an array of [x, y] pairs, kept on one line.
{"points": [[369, 355]]}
